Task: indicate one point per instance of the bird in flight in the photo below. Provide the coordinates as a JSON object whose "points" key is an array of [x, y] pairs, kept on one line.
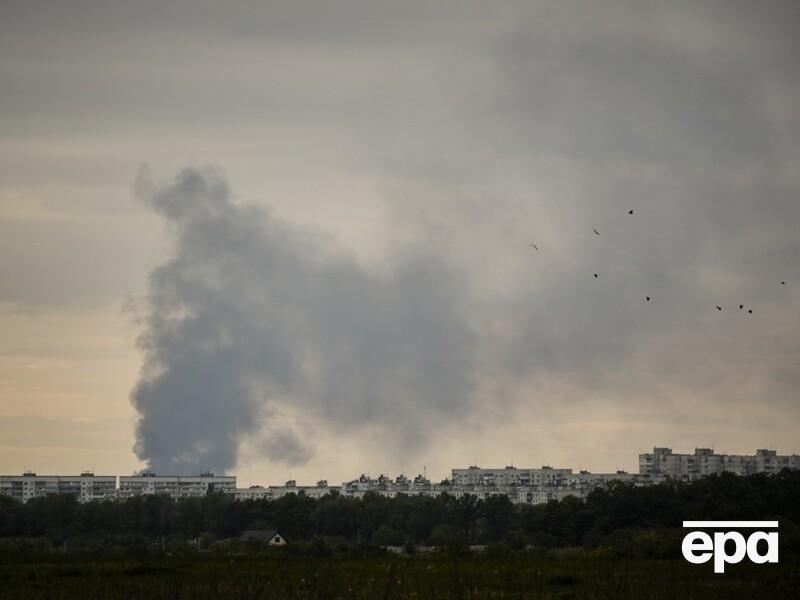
{"points": [[648, 298], [741, 306], [630, 212], [534, 246], [719, 308], [750, 311], [595, 275], [783, 283], [596, 232]]}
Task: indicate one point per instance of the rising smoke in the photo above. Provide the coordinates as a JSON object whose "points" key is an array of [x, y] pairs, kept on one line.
{"points": [[251, 318]]}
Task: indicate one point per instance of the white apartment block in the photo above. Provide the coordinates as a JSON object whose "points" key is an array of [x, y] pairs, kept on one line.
{"points": [[86, 487], [510, 476], [175, 486], [664, 463], [520, 485], [531, 486], [254, 492], [310, 491], [273, 492], [386, 486]]}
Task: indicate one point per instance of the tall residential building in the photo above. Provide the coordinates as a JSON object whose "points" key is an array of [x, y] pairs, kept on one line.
{"points": [[530, 486], [520, 485], [273, 492], [176, 486], [386, 486], [510, 476], [86, 487], [664, 462], [254, 492]]}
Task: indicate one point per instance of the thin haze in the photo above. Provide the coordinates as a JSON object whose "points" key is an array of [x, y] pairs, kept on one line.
{"points": [[351, 285]]}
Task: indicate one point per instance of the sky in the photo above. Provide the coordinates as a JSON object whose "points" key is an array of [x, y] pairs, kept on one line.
{"points": [[293, 240]]}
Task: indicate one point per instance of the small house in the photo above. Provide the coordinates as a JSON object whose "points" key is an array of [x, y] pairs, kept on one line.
{"points": [[263, 536]]}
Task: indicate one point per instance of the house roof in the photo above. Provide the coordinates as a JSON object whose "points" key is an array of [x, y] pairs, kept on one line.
{"points": [[258, 535]]}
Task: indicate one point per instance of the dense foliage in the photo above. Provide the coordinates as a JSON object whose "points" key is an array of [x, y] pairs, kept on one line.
{"points": [[646, 519]]}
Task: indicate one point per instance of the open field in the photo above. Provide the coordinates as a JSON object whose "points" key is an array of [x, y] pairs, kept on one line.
{"points": [[516, 576]]}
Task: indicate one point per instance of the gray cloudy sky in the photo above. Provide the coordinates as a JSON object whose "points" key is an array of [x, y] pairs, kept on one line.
{"points": [[326, 264]]}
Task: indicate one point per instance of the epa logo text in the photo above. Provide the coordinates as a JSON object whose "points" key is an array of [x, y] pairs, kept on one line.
{"points": [[700, 547]]}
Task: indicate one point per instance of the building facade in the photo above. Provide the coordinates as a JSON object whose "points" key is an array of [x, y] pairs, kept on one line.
{"points": [[86, 487], [175, 486], [530, 485], [273, 492], [386, 486], [254, 492], [520, 485], [664, 462]]}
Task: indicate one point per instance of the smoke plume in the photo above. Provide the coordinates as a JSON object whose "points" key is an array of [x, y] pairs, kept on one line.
{"points": [[252, 319]]}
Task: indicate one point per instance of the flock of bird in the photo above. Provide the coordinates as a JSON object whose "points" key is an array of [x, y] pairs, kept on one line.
{"points": [[647, 298]]}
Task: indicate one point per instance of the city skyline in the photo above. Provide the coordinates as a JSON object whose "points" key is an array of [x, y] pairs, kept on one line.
{"points": [[521, 485], [641, 469]]}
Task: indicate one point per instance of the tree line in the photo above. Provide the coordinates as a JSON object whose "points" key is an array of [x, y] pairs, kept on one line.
{"points": [[619, 515]]}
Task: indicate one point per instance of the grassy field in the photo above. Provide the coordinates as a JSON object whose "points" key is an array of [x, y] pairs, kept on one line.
{"points": [[517, 576]]}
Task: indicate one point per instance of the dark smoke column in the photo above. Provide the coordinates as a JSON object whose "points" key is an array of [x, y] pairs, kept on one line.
{"points": [[193, 396], [250, 316]]}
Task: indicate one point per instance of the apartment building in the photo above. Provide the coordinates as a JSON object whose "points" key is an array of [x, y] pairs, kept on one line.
{"points": [[175, 486], [386, 486], [254, 492], [86, 487], [704, 461], [520, 485], [510, 476]]}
